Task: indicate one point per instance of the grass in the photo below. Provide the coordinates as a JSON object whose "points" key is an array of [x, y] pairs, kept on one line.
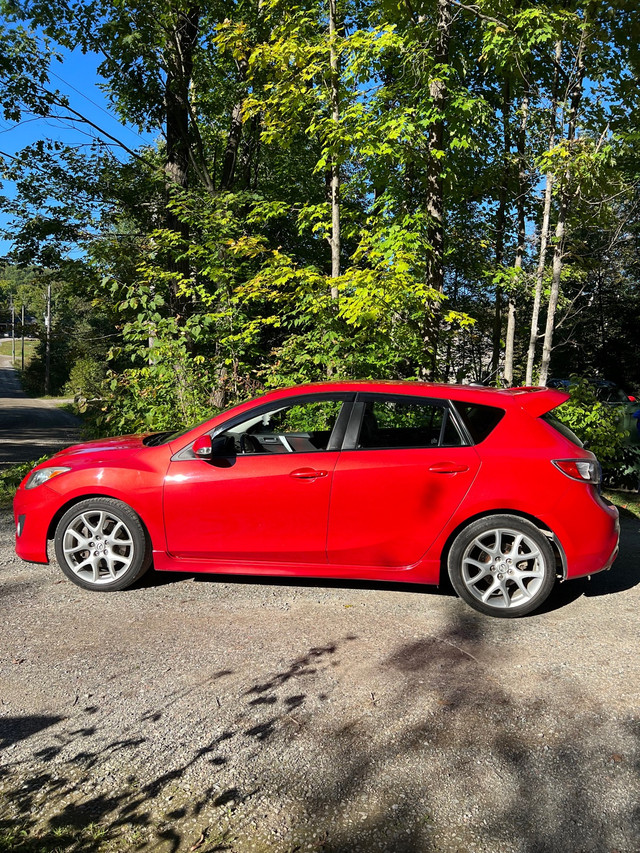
{"points": [[59, 839], [29, 349], [628, 503]]}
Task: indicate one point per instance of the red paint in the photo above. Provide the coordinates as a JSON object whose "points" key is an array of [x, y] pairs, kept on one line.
{"points": [[387, 513]]}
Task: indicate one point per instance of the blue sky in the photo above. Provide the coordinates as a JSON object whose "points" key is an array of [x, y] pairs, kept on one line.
{"points": [[76, 77]]}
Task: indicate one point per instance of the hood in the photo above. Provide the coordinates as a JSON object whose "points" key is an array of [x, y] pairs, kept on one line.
{"points": [[102, 446]]}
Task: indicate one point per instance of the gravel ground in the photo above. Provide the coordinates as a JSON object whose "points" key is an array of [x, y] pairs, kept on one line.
{"points": [[219, 714]]}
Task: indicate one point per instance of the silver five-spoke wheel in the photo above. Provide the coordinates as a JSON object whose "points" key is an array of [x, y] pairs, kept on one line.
{"points": [[100, 544], [502, 565]]}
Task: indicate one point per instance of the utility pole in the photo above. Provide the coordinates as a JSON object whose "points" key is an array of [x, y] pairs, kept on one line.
{"points": [[22, 330], [47, 360], [13, 330]]}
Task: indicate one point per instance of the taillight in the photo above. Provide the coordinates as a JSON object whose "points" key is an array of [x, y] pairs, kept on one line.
{"points": [[585, 470]]}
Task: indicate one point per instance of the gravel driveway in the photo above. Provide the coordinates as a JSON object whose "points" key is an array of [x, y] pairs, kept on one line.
{"points": [[223, 714]]}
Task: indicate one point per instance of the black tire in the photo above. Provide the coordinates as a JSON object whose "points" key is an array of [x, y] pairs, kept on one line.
{"points": [[101, 545], [485, 574]]}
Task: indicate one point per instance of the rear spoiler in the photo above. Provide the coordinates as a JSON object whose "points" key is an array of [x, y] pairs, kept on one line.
{"points": [[537, 400]]}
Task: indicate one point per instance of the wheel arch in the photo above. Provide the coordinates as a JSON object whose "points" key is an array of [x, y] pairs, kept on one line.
{"points": [[556, 546], [53, 524]]}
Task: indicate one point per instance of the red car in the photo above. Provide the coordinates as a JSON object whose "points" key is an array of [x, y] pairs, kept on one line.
{"points": [[390, 481]]}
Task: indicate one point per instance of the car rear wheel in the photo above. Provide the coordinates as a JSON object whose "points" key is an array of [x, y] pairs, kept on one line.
{"points": [[502, 565], [100, 544]]}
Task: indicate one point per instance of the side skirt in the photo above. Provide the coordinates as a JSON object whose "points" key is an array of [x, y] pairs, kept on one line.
{"points": [[425, 572]]}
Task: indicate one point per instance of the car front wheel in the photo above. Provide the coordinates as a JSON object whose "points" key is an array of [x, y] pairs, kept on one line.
{"points": [[100, 544], [502, 565]]}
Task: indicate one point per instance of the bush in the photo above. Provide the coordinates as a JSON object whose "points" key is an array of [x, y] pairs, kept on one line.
{"points": [[85, 379], [623, 472], [11, 478], [597, 424], [33, 377]]}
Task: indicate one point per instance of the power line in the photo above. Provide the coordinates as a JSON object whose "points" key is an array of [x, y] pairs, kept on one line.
{"points": [[95, 104]]}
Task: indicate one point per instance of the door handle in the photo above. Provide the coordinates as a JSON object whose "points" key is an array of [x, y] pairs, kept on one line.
{"points": [[448, 468], [307, 474]]}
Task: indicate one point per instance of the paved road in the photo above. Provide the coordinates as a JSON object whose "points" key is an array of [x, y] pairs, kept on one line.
{"points": [[29, 428]]}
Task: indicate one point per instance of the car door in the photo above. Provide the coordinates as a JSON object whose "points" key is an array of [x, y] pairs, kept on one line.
{"points": [[403, 472], [268, 499]]}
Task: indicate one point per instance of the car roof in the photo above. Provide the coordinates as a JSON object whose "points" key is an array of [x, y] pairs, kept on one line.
{"points": [[534, 399]]}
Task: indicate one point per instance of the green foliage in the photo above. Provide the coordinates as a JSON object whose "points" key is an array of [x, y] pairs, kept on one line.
{"points": [[85, 380], [597, 424], [623, 471], [172, 393], [183, 299], [33, 377], [10, 479]]}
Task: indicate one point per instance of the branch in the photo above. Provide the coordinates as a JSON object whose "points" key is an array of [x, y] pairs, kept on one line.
{"points": [[85, 120], [201, 168], [476, 11], [568, 313]]}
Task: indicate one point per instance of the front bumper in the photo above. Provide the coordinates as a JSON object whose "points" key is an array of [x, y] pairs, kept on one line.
{"points": [[33, 512]]}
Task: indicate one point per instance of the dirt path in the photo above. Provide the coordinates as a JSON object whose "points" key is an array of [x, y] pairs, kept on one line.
{"points": [[29, 428], [230, 715]]}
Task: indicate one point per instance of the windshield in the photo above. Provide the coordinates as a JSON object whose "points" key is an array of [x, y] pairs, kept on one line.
{"points": [[158, 438]]}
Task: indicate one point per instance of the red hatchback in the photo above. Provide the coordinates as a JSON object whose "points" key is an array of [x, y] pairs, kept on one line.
{"points": [[392, 481]]}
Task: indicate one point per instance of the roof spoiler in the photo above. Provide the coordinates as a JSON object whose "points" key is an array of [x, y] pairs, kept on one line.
{"points": [[537, 400]]}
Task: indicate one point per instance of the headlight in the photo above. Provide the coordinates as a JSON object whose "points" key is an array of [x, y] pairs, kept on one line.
{"points": [[43, 475]]}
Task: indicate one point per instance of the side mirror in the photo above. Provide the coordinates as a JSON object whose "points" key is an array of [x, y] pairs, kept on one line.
{"points": [[206, 447], [203, 446]]}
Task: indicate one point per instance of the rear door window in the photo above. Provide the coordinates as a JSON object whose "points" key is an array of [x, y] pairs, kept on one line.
{"points": [[404, 423]]}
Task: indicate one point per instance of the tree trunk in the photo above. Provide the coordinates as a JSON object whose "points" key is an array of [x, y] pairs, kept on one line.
{"points": [[500, 228], [522, 234], [335, 170], [544, 231], [47, 349], [233, 145], [558, 255], [565, 201], [249, 153], [179, 60], [179, 71], [435, 186]]}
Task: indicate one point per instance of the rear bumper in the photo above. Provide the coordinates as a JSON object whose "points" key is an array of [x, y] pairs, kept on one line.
{"points": [[591, 543]]}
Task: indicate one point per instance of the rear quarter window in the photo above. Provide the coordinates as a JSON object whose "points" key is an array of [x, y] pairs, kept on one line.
{"points": [[479, 420], [563, 429]]}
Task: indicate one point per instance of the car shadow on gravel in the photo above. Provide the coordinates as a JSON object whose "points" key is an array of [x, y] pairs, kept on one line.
{"points": [[327, 583]]}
